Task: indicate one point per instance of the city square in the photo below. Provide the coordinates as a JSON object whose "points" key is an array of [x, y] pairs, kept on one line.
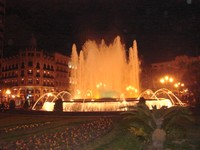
{"points": [[123, 78]]}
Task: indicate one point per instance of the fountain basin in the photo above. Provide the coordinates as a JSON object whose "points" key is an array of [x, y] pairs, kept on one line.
{"points": [[104, 104]]}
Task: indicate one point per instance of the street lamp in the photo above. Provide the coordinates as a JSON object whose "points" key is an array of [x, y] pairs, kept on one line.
{"points": [[8, 92], [179, 86], [166, 79]]}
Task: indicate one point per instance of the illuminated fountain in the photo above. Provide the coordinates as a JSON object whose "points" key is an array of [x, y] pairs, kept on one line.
{"points": [[104, 78], [107, 71], [159, 98]]}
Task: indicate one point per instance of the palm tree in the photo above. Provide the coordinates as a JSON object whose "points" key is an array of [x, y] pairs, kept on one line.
{"points": [[153, 125]]}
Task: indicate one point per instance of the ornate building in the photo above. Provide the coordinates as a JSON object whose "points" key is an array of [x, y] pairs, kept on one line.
{"points": [[32, 73]]}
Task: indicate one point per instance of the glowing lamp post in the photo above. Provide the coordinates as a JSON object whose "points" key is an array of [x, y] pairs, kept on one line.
{"points": [[8, 92], [166, 80], [179, 86]]}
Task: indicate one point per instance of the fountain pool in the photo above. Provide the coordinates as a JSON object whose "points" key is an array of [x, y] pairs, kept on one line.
{"points": [[106, 104]]}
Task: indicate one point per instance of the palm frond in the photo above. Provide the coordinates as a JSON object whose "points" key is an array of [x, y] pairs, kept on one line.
{"points": [[175, 115], [146, 127]]}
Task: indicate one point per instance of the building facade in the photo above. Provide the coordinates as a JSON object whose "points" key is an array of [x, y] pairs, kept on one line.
{"points": [[32, 73], [2, 23], [175, 68]]}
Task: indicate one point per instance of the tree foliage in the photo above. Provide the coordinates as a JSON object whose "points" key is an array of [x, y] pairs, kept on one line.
{"points": [[192, 78], [145, 122]]}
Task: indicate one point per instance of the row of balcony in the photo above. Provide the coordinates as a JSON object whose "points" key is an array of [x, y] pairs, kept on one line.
{"points": [[47, 69], [22, 75], [17, 84], [22, 67]]}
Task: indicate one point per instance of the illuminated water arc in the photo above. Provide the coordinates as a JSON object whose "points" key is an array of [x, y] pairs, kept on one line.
{"points": [[148, 92], [62, 93], [42, 98], [168, 92]]}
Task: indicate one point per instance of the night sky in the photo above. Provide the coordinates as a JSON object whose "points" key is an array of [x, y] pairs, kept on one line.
{"points": [[163, 28]]}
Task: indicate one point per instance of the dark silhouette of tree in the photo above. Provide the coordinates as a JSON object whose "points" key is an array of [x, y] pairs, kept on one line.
{"points": [[191, 78]]}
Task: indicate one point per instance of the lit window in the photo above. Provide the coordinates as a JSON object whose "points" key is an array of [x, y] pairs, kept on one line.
{"points": [[22, 81], [30, 81], [37, 81], [30, 71]]}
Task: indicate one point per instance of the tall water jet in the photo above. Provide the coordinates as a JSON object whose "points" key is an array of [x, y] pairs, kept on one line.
{"points": [[105, 70], [133, 67], [73, 72]]}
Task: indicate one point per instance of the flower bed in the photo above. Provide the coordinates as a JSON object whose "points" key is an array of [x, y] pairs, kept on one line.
{"points": [[23, 127], [69, 138]]}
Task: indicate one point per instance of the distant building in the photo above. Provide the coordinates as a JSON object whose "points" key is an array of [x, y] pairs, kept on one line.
{"points": [[178, 64], [174, 68], [32, 72], [2, 22]]}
